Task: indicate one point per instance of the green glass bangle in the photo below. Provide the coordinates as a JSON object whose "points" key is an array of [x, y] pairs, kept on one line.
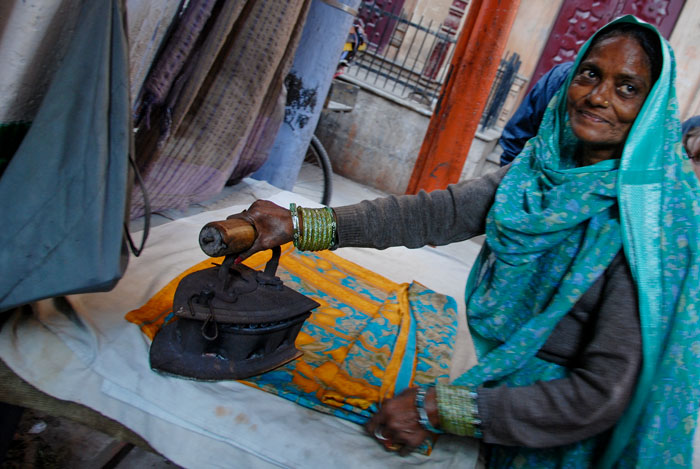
{"points": [[315, 230], [295, 224], [328, 229], [319, 231], [303, 222], [334, 232], [312, 233], [308, 229]]}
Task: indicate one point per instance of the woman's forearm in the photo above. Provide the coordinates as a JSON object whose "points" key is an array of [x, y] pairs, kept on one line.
{"points": [[439, 217]]}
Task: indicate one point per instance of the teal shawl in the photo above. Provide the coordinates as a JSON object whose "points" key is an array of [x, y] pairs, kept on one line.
{"points": [[553, 230]]}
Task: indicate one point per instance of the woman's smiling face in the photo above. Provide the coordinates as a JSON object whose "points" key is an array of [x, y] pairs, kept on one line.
{"points": [[606, 94]]}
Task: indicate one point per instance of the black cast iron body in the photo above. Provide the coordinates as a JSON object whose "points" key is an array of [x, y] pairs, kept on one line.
{"points": [[234, 322]]}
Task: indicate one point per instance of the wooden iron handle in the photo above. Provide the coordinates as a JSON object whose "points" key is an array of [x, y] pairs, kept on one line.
{"points": [[221, 238]]}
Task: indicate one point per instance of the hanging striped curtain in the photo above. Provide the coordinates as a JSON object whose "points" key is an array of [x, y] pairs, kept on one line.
{"points": [[211, 100]]}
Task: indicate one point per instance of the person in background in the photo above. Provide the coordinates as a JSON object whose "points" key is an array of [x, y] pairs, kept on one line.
{"points": [[525, 122], [583, 304], [356, 43], [690, 124], [691, 142]]}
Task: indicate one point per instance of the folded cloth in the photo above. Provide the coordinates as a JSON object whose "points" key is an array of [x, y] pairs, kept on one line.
{"points": [[369, 339]]}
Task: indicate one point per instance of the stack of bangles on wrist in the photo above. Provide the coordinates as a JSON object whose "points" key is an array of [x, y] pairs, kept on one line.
{"points": [[458, 410], [314, 228]]}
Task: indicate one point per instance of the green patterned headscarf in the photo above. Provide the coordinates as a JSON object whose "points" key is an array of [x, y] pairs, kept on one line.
{"points": [[554, 229]]}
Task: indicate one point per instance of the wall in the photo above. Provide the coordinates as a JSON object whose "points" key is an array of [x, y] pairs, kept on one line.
{"points": [[527, 38], [530, 31], [35, 35], [375, 144], [685, 41], [33, 39]]}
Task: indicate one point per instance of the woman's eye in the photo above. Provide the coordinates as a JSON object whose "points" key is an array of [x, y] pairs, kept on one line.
{"points": [[586, 74], [628, 90]]}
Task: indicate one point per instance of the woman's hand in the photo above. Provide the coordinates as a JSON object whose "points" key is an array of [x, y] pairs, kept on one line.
{"points": [[272, 223], [396, 424]]}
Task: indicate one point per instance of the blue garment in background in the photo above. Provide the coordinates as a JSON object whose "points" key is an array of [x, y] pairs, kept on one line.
{"points": [[523, 125], [690, 124]]}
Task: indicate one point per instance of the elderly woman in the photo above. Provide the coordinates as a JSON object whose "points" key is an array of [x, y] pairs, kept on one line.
{"points": [[584, 304]]}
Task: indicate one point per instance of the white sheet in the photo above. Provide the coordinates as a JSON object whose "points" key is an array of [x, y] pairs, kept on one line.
{"points": [[95, 357]]}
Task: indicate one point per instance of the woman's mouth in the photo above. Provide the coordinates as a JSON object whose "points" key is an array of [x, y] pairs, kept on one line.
{"points": [[593, 117]]}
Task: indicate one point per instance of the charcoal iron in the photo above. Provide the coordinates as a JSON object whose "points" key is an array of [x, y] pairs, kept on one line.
{"points": [[234, 322]]}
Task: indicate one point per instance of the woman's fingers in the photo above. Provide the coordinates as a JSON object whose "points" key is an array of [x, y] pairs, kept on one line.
{"points": [[378, 429], [272, 223], [374, 426], [406, 431], [396, 425]]}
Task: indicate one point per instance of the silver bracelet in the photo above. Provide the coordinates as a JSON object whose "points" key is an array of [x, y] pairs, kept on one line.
{"points": [[423, 418]]}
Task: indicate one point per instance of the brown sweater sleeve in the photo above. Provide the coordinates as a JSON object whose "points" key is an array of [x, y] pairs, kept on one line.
{"points": [[439, 217], [602, 379]]}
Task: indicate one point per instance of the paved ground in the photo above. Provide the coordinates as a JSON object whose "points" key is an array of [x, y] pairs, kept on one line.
{"points": [[43, 441]]}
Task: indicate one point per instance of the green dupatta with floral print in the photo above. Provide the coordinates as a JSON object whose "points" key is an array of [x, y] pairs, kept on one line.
{"points": [[553, 230]]}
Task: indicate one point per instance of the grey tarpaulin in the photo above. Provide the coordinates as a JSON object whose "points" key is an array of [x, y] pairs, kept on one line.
{"points": [[64, 193]]}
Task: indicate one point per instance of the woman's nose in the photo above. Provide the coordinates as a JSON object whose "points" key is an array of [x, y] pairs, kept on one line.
{"points": [[600, 95]]}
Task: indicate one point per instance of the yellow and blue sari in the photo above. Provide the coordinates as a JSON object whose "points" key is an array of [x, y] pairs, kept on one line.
{"points": [[369, 339]]}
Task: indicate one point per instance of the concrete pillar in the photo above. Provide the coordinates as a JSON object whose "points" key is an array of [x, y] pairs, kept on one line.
{"points": [[456, 118], [325, 31]]}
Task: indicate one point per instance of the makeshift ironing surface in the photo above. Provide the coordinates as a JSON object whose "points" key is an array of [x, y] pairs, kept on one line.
{"points": [[234, 322]]}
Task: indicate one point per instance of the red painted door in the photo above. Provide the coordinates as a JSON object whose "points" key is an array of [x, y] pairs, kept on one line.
{"points": [[579, 19], [449, 28], [380, 17]]}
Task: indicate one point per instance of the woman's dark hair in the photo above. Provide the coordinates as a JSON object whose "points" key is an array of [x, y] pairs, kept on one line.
{"points": [[646, 38]]}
